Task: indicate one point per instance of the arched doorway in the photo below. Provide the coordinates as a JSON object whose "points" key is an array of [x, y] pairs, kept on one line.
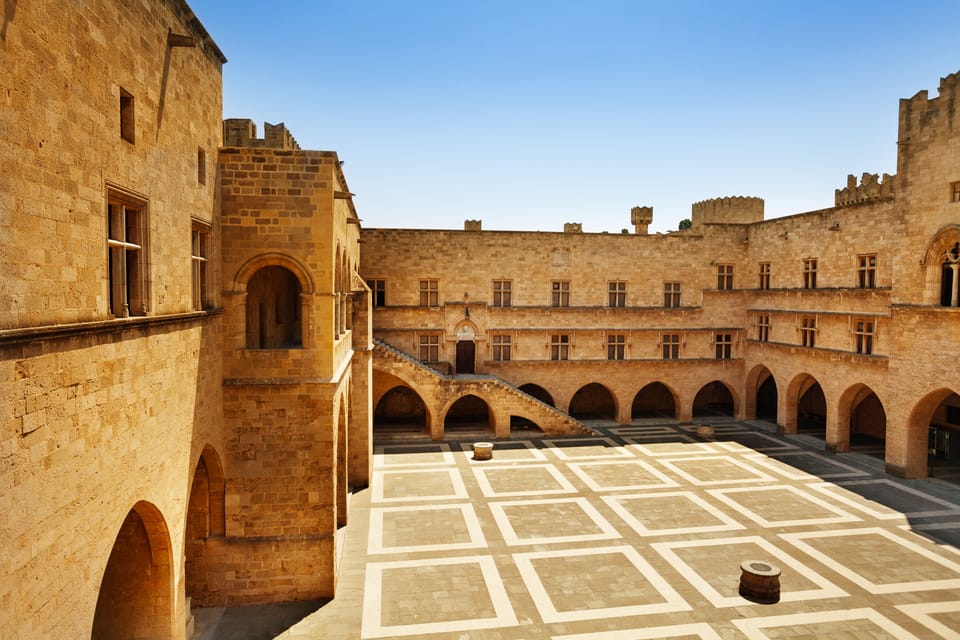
{"points": [[593, 402], [868, 424], [206, 518], [812, 409], [273, 309], [401, 409], [466, 349], [519, 423], [538, 392], [767, 399], [938, 414], [713, 399], [655, 400], [136, 593], [469, 413]]}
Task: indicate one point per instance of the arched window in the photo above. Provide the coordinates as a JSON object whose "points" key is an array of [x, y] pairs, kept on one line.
{"points": [[273, 309], [949, 281]]}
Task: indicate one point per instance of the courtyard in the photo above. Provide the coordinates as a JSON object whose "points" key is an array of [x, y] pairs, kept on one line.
{"points": [[639, 533]]}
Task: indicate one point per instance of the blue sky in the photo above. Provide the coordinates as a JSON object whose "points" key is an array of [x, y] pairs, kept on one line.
{"points": [[531, 113]]}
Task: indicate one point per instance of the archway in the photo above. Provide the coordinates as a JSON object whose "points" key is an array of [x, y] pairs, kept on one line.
{"points": [[655, 400], [469, 413], [342, 489], [273, 309], [812, 409], [538, 392], [206, 518], [520, 423], [766, 401], [867, 423], [401, 409], [593, 402], [935, 422], [713, 399], [136, 592]]}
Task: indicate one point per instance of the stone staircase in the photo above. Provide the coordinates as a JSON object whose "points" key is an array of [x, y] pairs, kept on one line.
{"points": [[504, 399]]}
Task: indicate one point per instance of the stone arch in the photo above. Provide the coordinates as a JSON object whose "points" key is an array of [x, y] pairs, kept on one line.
{"points": [[939, 276], [538, 392], [466, 346], [273, 310], [206, 518], [593, 401], [256, 263], [806, 406], [401, 408], [655, 399], [929, 411], [337, 293], [341, 463], [523, 423], [861, 420], [761, 394], [468, 412], [715, 398], [136, 591]]}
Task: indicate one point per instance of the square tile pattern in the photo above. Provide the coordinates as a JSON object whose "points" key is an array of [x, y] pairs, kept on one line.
{"points": [[639, 534]]}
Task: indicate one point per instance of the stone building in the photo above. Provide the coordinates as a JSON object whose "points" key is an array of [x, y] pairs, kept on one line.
{"points": [[843, 322], [184, 346]]}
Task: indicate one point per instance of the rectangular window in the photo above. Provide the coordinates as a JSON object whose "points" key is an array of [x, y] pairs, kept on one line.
{"points": [[126, 116], [559, 346], [671, 294], [501, 348], [617, 294], [127, 243], [430, 348], [955, 188], [378, 292], [863, 336], [763, 327], [502, 293], [810, 273], [198, 260], [808, 332], [201, 166], [429, 293], [867, 271], [724, 344], [764, 271], [561, 293], [616, 345], [724, 277], [671, 346]]}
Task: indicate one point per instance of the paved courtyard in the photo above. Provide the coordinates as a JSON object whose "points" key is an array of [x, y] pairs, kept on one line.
{"points": [[639, 533]]}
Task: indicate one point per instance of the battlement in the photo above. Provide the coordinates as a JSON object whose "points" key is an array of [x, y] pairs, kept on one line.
{"points": [[920, 111], [473, 225], [728, 210], [640, 218], [870, 189], [242, 132]]}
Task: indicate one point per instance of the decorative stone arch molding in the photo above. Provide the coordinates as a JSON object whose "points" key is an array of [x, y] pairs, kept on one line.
{"points": [[445, 409], [937, 257], [299, 271]]}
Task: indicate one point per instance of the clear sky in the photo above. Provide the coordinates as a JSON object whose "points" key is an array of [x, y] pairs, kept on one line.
{"points": [[531, 113]]}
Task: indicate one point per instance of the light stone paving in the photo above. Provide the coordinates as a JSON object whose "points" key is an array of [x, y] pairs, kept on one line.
{"points": [[639, 535]]}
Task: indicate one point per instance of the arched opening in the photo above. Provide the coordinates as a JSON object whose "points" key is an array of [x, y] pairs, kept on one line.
{"points": [[136, 593], [654, 401], [868, 424], [713, 399], [469, 413], [950, 277], [466, 356], [519, 423], [812, 409], [273, 309], [767, 398], [401, 409], [943, 434], [538, 392], [206, 517], [593, 402], [342, 488]]}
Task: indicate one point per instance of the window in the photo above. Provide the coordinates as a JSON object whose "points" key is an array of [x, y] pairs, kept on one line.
{"points": [[867, 271], [863, 336], [764, 270], [810, 273], [502, 293], [724, 277], [808, 332], [273, 309], [201, 166], [671, 294], [671, 346], [198, 260], [429, 294], [561, 293], [560, 347], [617, 294], [616, 343], [955, 188], [127, 244], [430, 348], [501, 348], [724, 344], [378, 290], [126, 116], [763, 327]]}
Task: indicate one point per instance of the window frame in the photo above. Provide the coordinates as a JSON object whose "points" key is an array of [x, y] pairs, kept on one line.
{"points": [[378, 292], [128, 248], [723, 342], [502, 346], [559, 346], [560, 293], [199, 257], [502, 293], [671, 294], [724, 277], [429, 344], [429, 292], [867, 271], [810, 273], [616, 346], [617, 294], [864, 336], [671, 346], [955, 191], [128, 117], [808, 332], [763, 327], [763, 271]]}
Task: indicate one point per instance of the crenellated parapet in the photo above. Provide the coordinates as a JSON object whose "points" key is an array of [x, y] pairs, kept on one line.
{"points": [[728, 210], [921, 112], [242, 132], [640, 218], [871, 189]]}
